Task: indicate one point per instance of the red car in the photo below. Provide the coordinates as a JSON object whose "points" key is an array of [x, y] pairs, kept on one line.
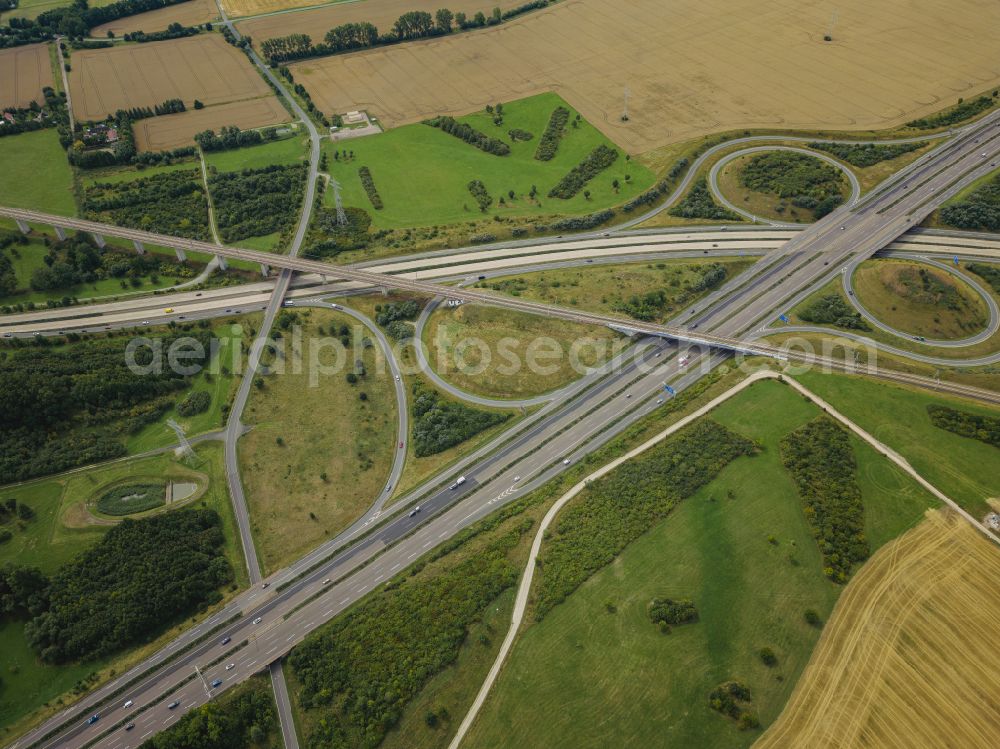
{"points": [[401, 445]]}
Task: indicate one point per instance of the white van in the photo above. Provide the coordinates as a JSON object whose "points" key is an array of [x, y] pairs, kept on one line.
{"points": [[127, 705]]}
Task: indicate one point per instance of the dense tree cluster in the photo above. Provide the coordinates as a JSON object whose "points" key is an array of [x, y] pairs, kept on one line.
{"points": [[596, 162], [51, 113], [168, 203], [257, 202], [821, 461], [74, 20], [327, 237], [833, 309], [60, 408], [14, 515], [478, 191], [231, 137], [362, 669], [390, 313], [979, 210], [619, 507], [653, 304], [960, 112], [8, 277], [734, 699], [470, 135], [803, 180], [195, 403], [548, 144], [672, 611], [241, 718], [975, 426], [698, 203], [661, 188], [371, 191], [173, 31], [140, 577], [23, 591], [517, 134], [439, 424], [866, 154]]}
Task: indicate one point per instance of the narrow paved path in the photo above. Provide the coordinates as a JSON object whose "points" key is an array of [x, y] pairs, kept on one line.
{"points": [[521, 601]]}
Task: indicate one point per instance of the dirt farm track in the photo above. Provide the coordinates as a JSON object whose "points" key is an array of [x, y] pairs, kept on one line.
{"points": [[24, 71], [201, 67], [908, 659], [692, 66]]}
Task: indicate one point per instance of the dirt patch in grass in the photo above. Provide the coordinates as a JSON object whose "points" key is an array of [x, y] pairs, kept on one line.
{"points": [[920, 299], [921, 618], [317, 456]]}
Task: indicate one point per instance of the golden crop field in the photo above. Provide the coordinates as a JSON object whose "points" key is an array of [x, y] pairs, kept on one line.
{"points": [[191, 13], [201, 67], [176, 130], [24, 71], [691, 66], [316, 22], [908, 658]]}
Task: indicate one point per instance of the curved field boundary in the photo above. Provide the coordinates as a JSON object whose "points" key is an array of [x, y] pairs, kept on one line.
{"points": [[521, 601], [908, 657], [713, 180]]}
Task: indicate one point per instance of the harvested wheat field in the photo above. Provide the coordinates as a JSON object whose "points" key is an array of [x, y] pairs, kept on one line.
{"points": [[24, 71], [142, 75], [191, 13], [692, 66], [316, 22], [908, 658], [177, 130]]}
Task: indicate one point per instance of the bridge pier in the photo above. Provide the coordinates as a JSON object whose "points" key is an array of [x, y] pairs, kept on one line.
{"points": [[99, 240], [181, 255], [60, 233], [138, 247], [23, 226], [385, 290], [265, 270], [223, 265]]}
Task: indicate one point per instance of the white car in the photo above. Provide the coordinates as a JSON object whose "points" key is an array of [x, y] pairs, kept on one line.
{"points": [[230, 666], [566, 461], [258, 620]]}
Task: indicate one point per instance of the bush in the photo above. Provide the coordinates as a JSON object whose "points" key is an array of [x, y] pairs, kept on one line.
{"points": [[195, 403], [672, 612], [821, 461], [812, 618], [478, 190], [599, 159], [548, 144], [733, 699], [519, 135], [767, 657]]}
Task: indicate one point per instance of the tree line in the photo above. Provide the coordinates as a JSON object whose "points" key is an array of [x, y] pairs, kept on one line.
{"points": [[966, 424], [363, 34], [368, 183], [964, 110], [142, 576], [173, 31], [470, 135], [866, 154], [618, 508], [596, 162], [231, 137], [821, 461], [548, 144]]}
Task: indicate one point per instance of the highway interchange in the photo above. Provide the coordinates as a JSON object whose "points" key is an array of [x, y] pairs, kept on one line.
{"points": [[380, 544]]}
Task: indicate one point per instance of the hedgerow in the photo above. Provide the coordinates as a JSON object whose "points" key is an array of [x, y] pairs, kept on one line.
{"points": [[866, 154], [962, 111], [470, 135], [596, 162], [821, 461], [369, 184], [983, 428], [548, 144], [619, 507]]}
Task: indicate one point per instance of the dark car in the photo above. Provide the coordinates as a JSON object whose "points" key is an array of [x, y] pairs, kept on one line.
{"points": [[130, 726], [216, 683], [93, 719], [226, 640], [173, 704]]}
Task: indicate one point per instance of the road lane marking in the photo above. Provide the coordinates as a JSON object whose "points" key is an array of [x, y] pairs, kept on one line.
{"points": [[412, 555], [394, 567], [328, 612]]}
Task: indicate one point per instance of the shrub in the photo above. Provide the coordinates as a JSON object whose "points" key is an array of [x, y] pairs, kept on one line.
{"points": [[369, 184], [698, 203], [672, 612], [833, 309], [478, 190], [519, 135], [195, 403], [767, 657], [964, 110], [548, 144], [599, 159], [983, 428], [439, 424], [866, 154], [733, 699], [470, 135]]}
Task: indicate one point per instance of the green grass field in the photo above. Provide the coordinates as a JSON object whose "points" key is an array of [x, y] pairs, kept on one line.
{"points": [[586, 674], [62, 529], [36, 174], [291, 150], [422, 173], [966, 470], [118, 174]]}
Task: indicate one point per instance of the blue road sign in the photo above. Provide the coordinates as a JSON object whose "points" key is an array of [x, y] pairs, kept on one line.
{"points": [[955, 259], [783, 318], [669, 389]]}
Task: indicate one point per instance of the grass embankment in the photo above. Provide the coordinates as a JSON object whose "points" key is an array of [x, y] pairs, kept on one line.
{"points": [[586, 673], [422, 173], [62, 529], [503, 354], [966, 470], [646, 290], [318, 454], [36, 174], [920, 299]]}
